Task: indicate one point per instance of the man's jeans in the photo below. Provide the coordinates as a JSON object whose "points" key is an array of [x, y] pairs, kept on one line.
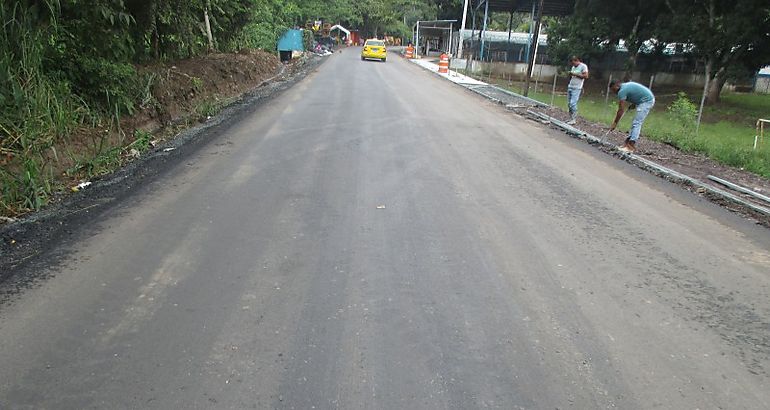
{"points": [[642, 110], [573, 95]]}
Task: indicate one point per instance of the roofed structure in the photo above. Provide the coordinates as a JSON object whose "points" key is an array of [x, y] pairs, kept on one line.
{"points": [[550, 7], [538, 8]]}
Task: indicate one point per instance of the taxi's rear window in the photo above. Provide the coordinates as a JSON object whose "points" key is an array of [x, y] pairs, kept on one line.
{"points": [[375, 43]]}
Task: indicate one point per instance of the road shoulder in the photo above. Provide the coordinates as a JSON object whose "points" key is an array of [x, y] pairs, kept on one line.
{"points": [[28, 241]]}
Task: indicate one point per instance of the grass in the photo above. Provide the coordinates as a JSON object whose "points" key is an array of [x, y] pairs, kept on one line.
{"points": [[109, 159], [212, 105], [726, 133], [37, 113]]}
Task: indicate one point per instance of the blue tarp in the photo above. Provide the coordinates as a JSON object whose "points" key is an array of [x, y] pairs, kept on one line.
{"points": [[291, 41]]}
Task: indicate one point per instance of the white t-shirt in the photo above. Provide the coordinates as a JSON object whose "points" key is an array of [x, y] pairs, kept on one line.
{"points": [[577, 82]]}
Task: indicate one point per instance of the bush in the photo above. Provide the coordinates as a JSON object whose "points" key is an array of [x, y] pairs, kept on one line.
{"points": [[36, 110], [683, 113], [308, 39], [258, 35], [103, 84]]}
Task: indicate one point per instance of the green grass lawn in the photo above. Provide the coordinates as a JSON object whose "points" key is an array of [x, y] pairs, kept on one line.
{"points": [[726, 134]]}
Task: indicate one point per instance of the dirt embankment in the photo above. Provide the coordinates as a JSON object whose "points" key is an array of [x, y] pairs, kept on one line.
{"points": [[174, 126], [171, 96], [197, 86]]}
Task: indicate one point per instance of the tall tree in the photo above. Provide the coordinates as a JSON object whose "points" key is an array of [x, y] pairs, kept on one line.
{"points": [[634, 22], [731, 36], [597, 26], [581, 34]]}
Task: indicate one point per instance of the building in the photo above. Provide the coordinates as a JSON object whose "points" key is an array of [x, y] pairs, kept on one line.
{"points": [[762, 81]]}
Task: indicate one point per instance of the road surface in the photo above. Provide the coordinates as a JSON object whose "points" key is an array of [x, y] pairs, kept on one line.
{"points": [[377, 238]]}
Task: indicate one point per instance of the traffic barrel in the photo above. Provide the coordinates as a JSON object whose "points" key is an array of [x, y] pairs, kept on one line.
{"points": [[443, 64], [409, 52]]}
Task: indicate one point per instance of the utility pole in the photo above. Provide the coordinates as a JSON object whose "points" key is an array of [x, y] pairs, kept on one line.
{"points": [[703, 98], [535, 39], [484, 29], [510, 28], [417, 38], [531, 27], [462, 27], [468, 65]]}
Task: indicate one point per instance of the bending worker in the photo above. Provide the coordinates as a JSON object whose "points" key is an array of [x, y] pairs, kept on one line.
{"points": [[577, 76], [632, 94]]}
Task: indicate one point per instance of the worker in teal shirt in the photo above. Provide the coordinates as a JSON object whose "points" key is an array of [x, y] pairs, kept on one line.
{"points": [[631, 93]]}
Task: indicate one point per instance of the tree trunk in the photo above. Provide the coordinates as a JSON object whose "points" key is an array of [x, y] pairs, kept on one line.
{"points": [[208, 25], [718, 81], [633, 55], [633, 45], [715, 88], [155, 37]]}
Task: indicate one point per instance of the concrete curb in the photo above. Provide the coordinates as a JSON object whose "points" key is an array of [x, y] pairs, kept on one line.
{"points": [[643, 163], [519, 96], [652, 166], [476, 87]]}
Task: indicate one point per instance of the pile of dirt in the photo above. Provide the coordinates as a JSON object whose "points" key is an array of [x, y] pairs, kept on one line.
{"points": [[179, 93], [181, 88], [695, 165]]}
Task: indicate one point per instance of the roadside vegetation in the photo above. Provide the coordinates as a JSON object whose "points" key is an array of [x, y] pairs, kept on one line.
{"points": [[724, 139], [726, 40], [728, 37], [68, 68], [726, 133]]}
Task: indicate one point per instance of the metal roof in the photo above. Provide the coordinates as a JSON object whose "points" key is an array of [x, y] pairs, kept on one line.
{"points": [[502, 37], [435, 27], [550, 7]]}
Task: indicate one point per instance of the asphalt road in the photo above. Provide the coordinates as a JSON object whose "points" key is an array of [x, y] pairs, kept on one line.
{"points": [[378, 238]]}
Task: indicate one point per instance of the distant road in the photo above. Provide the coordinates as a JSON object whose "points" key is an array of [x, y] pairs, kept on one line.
{"points": [[377, 238]]}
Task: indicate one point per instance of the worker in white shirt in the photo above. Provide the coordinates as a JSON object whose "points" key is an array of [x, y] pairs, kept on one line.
{"points": [[578, 74]]}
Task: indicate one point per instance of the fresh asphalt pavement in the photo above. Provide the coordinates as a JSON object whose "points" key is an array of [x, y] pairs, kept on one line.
{"points": [[376, 237]]}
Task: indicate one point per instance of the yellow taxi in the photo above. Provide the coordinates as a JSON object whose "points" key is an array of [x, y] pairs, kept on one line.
{"points": [[374, 49]]}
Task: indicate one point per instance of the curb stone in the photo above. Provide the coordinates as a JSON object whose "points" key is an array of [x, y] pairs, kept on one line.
{"points": [[643, 163], [652, 166]]}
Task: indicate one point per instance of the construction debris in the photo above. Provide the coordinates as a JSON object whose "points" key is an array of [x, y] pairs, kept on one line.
{"points": [[81, 186], [7, 220], [740, 188]]}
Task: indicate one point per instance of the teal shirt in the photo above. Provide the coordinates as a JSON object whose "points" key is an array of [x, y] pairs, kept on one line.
{"points": [[635, 93]]}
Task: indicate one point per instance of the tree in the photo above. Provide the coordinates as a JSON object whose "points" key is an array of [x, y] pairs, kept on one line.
{"points": [[501, 21], [580, 34], [598, 26], [447, 9], [731, 36], [634, 22]]}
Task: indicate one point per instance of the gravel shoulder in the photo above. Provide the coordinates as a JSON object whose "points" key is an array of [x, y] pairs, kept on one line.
{"points": [[28, 243]]}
